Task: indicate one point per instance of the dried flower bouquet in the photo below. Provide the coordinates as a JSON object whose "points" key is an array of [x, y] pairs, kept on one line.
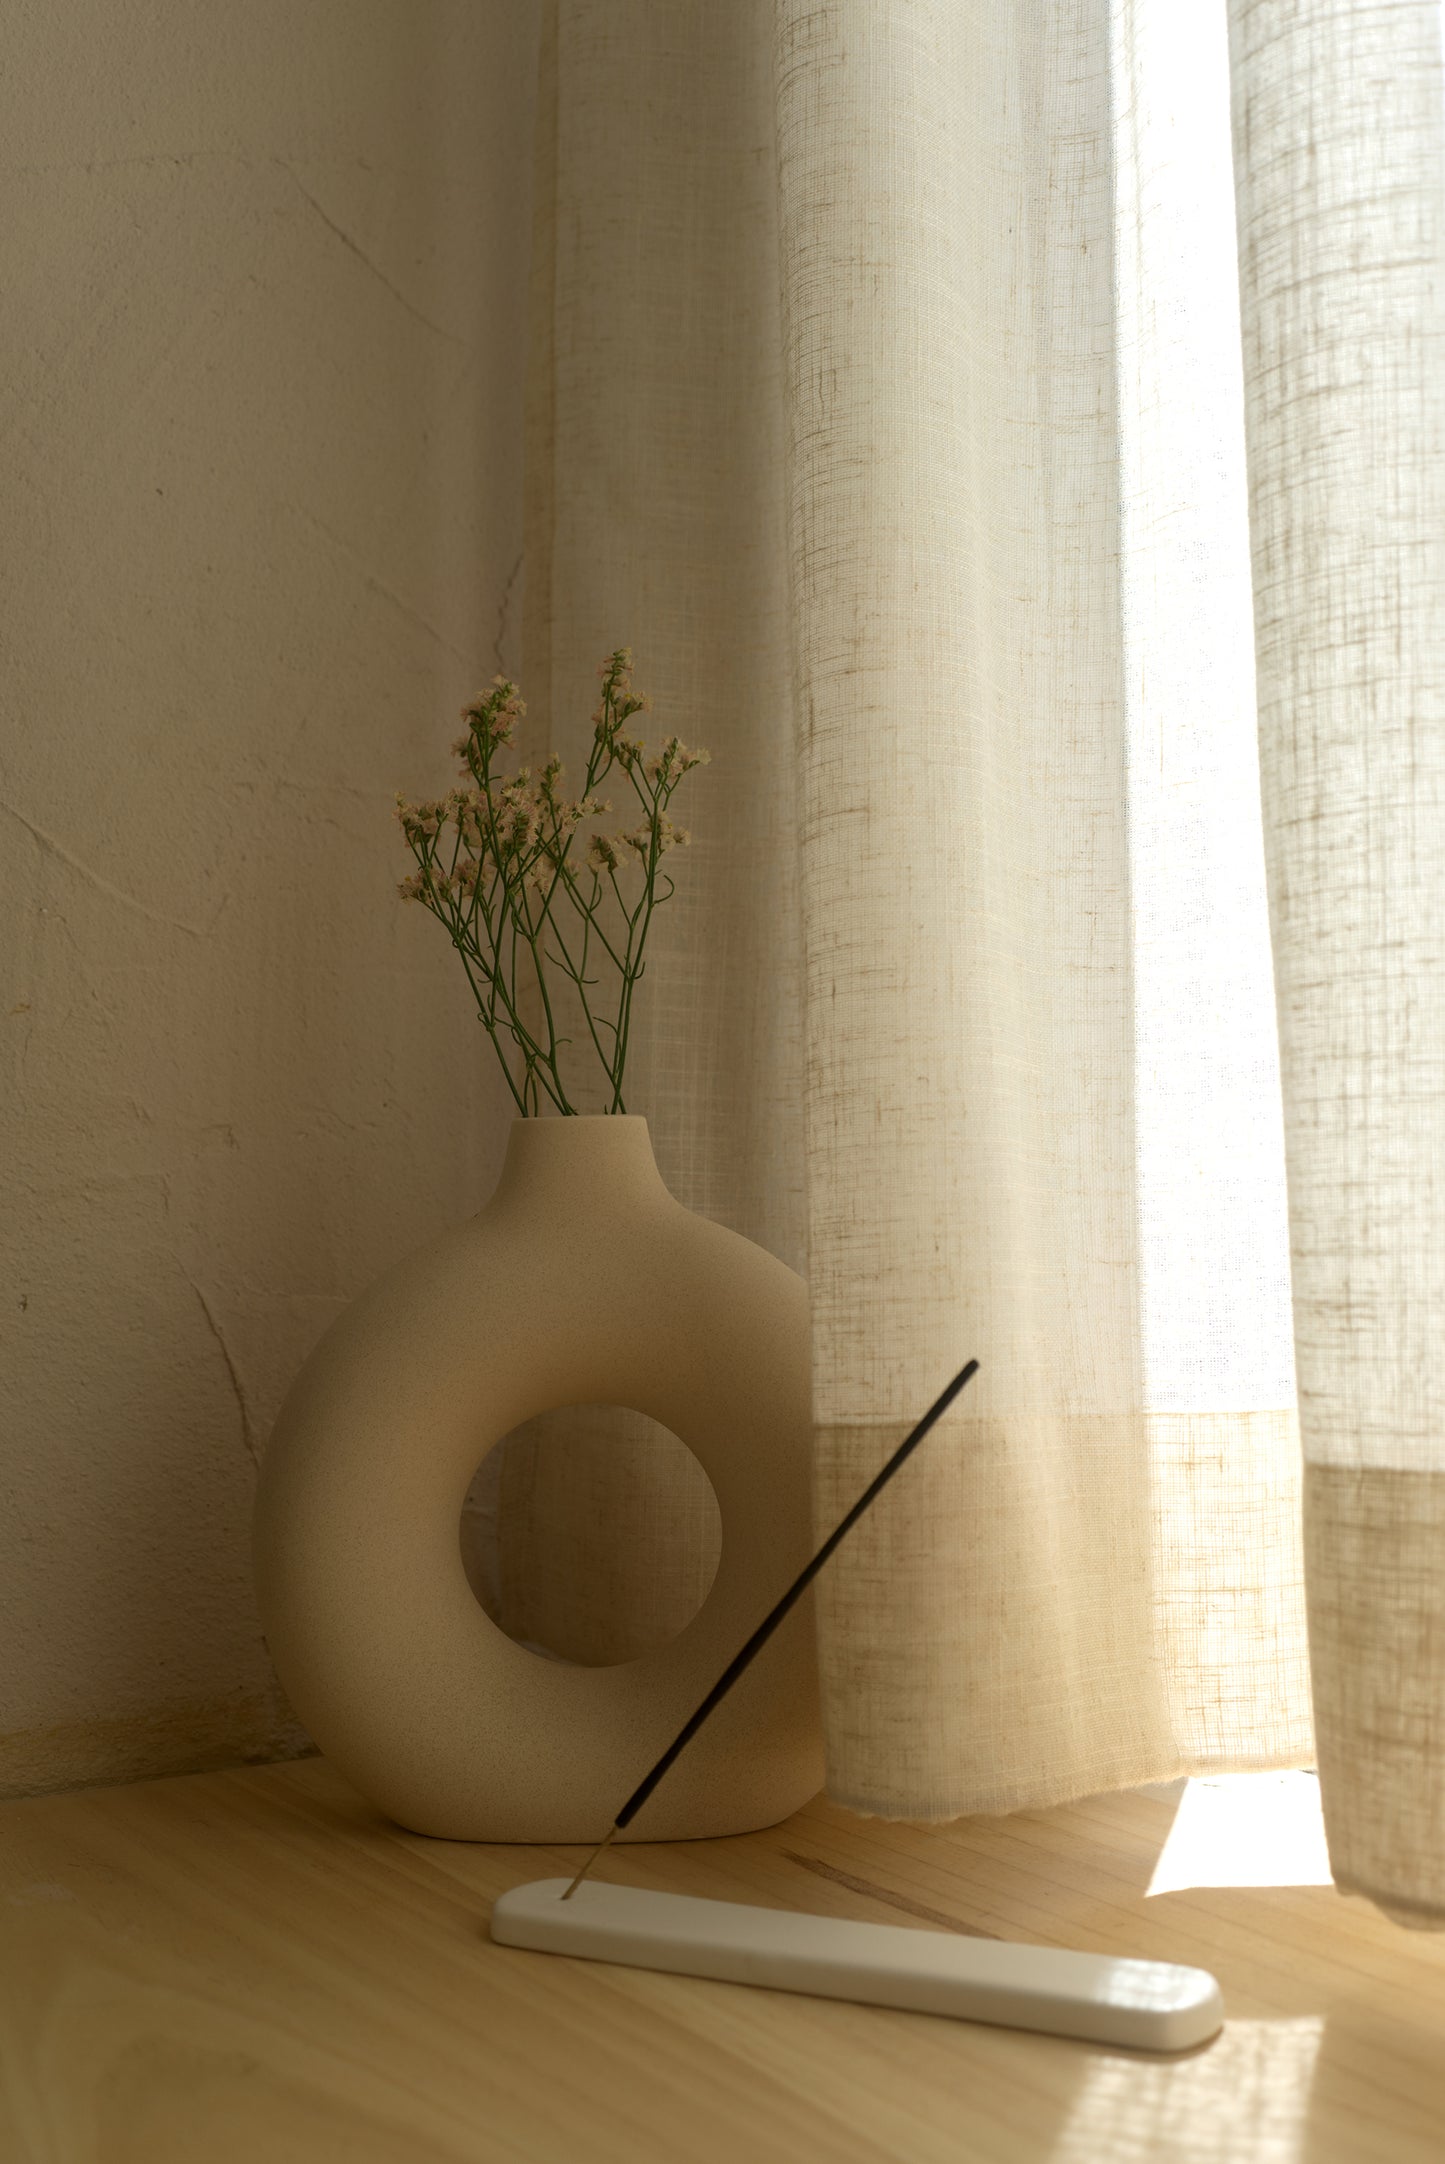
{"points": [[504, 865]]}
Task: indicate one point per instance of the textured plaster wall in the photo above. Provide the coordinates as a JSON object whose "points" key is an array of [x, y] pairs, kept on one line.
{"points": [[261, 362]]}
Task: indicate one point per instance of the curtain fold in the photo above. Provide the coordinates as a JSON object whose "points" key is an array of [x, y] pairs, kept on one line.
{"points": [[887, 403], [1043, 1120], [1340, 156]]}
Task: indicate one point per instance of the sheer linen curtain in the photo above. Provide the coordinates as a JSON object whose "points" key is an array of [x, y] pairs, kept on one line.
{"points": [[887, 401], [1340, 155]]}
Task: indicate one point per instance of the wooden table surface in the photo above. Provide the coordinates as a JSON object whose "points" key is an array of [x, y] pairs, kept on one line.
{"points": [[253, 1966]]}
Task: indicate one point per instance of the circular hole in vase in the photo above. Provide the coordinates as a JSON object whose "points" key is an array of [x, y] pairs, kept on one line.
{"points": [[591, 1535]]}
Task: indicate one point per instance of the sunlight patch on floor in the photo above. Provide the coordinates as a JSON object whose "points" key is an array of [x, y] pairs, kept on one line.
{"points": [[1245, 1829], [1246, 2096]]}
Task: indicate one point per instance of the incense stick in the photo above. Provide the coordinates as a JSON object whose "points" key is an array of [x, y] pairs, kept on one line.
{"points": [[771, 1621]]}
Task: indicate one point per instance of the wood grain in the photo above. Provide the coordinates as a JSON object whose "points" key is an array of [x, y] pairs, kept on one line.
{"points": [[251, 1965]]}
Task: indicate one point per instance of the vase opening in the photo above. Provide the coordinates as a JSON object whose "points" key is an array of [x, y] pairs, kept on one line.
{"points": [[591, 1535]]}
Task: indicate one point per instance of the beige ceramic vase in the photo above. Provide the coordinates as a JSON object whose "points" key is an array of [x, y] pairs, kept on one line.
{"points": [[582, 1281]]}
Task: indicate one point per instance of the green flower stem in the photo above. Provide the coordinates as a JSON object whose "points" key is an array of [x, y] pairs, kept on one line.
{"points": [[633, 975], [522, 1037], [576, 973], [516, 904], [523, 915]]}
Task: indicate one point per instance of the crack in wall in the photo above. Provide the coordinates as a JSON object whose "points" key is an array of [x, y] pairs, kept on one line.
{"points": [[377, 586], [248, 1437], [51, 847], [504, 603], [354, 248]]}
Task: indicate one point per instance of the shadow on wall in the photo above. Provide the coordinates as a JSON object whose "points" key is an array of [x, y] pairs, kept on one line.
{"points": [[258, 368]]}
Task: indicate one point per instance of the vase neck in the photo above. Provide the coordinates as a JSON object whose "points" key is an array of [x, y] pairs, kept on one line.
{"points": [[599, 1162]]}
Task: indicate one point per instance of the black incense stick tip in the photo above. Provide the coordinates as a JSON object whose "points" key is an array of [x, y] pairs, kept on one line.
{"points": [[774, 1617]]}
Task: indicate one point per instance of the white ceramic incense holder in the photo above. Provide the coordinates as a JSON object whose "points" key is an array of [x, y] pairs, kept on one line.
{"points": [[1148, 2005]]}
